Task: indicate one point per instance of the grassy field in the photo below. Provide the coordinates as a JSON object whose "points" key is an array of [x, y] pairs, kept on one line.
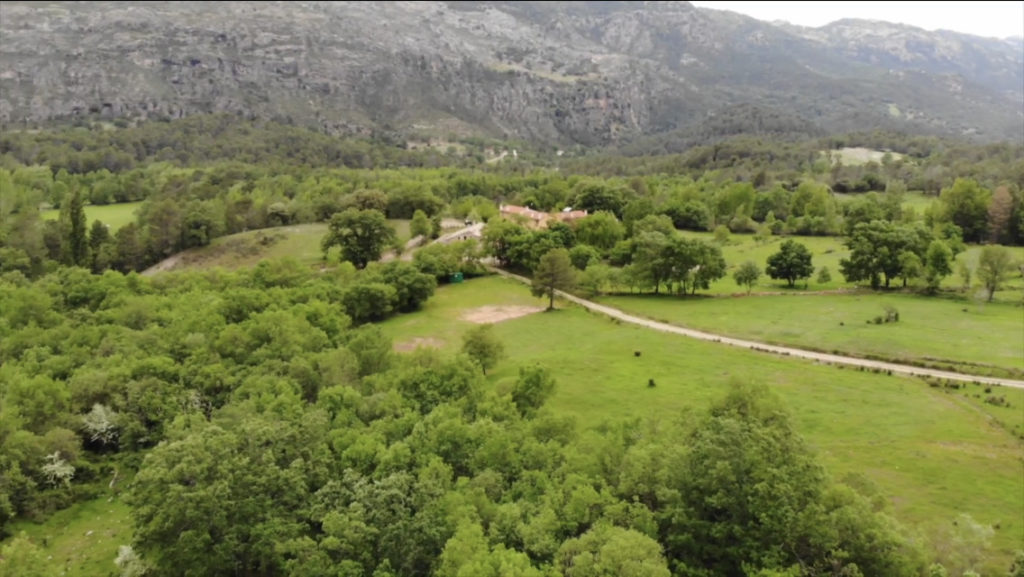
{"points": [[825, 251], [970, 337], [83, 539], [917, 201], [113, 215], [934, 453], [857, 156], [245, 249]]}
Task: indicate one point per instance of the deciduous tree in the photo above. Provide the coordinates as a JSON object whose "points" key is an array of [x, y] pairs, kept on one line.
{"points": [[792, 262], [937, 264], [747, 275], [481, 344], [875, 249], [421, 225], [994, 266], [601, 230], [362, 235], [553, 273], [966, 205]]}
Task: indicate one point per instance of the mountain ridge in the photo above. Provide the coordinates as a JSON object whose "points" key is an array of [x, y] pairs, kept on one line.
{"points": [[589, 73]]}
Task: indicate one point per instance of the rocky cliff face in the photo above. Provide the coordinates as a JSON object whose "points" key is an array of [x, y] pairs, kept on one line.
{"points": [[585, 72]]}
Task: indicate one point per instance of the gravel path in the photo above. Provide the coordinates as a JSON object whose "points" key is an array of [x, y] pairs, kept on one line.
{"points": [[896, 368]]}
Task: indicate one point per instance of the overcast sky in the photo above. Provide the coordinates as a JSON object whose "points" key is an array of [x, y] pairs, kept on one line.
{"points": [[994, 19]]}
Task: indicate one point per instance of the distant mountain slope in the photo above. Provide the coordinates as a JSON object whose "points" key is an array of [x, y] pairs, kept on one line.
{"points": [[592, 73]]}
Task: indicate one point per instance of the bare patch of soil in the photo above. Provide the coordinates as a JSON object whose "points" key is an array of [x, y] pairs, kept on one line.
{"points": [[496, 314]]}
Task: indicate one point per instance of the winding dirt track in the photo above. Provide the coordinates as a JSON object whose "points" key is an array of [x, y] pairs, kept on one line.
{"points": [[774, 349]]}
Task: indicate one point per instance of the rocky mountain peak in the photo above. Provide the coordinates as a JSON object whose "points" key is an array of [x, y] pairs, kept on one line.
{"points": [[585, 72]]}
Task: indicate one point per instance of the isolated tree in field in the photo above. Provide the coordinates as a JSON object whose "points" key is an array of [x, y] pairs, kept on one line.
{"points": [[792, 262], [747, 275], [483, 346], [553, 273], [994, 267], [420, 225], [937, 264], [362, 235]]}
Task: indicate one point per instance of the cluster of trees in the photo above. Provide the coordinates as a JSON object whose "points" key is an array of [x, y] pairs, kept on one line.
{"points": [[263, 433], [599, 255], [94, 368], [921, 163], [652, 256], [188, 202], [881, 251]]}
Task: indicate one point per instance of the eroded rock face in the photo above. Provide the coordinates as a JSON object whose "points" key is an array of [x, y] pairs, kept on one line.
{"points": [[591, 73]]}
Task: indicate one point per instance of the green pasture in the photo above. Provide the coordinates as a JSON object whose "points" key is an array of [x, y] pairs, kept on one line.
{"points": [[81, 540], [933, 452], [246, 249], [965, 336], [825, 251], [113, 215]]}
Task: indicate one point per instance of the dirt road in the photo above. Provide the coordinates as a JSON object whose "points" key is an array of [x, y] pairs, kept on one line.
{"points": [[775, 349]]}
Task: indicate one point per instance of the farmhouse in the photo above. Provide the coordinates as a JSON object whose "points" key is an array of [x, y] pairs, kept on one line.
{"points": [[537, 219]]}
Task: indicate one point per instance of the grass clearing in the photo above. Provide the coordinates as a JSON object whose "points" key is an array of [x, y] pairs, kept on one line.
{"points": [[825, 251], [113, 215], [83, 539], [934, 453], [972, 338], [855, 156], [246, 249]]}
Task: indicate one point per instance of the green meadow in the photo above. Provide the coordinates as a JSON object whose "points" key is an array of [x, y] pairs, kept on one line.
{"points": [[972, 337], [246, 249], [82, 539], [113, 215], [933, 453]]}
